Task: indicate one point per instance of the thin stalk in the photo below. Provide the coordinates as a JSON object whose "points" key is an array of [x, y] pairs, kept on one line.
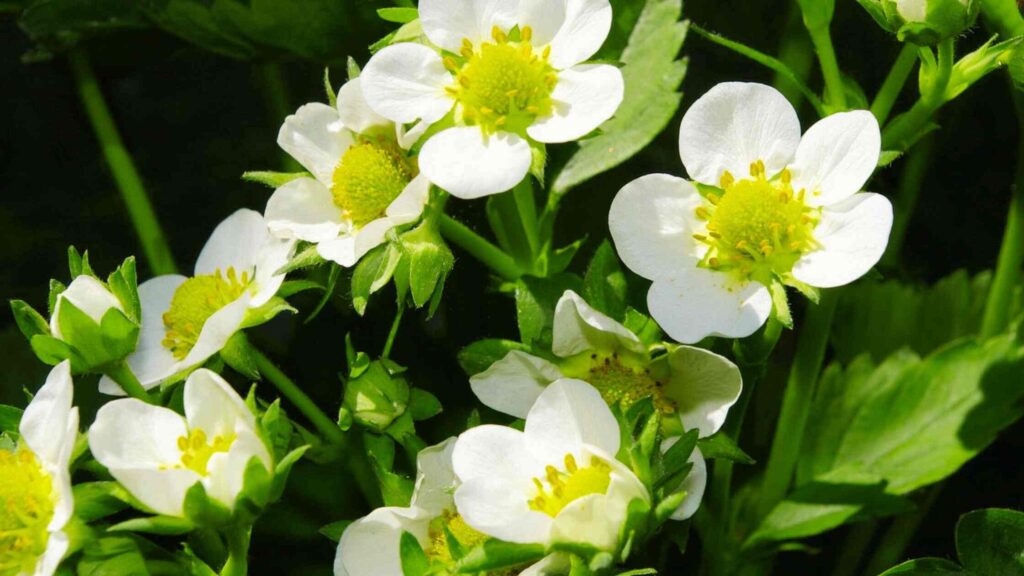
{"points": [[795, 52], [854, 548], [894, 83], [386, 351], [238, 538], [915, 169], [478, 247], [835, 90], [904, 131], [896, 539], [327, 427], [140, 210], [796, 403], [122, 374]]}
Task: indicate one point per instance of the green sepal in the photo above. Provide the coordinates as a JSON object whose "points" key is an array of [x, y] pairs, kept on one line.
{"points": [[635, 527], [668, 505], [52, 351], [124, 285], [98, 500], [78, 264], [307, 257], [372, 273], [414, 559], [10, 419], [284, 469], [721, 447], [202, 510], [332, 96], [161, 525], [29, 321], [780, 304], [375, 397], [423, 405], [983, 61], [273, 179], [352, 68], [237, 353], [395, 489], [56, 289], [674, 463], [538, 160], [334, 530], [398, 15], [645, 328], [480, 355], [267, 312], [426, 262], [497, 554], [257, 487]]}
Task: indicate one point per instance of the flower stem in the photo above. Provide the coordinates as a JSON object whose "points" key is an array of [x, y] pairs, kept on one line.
{"points": [[477, 246], [327, 427], [390, 342], [835, 90], [796, 403], [894, 83], [238, 538], [125, 378], [140, 210]]}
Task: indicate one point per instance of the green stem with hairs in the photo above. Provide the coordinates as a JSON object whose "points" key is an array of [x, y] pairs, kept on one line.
{"points": [[796, 403], [140, 210], [480, 248], [390, 342], [238, 539], [835, 90], [894, 83], [122, 374]]}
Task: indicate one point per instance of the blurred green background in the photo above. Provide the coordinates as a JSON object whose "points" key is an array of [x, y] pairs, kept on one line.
{"points": [[195, 121]]}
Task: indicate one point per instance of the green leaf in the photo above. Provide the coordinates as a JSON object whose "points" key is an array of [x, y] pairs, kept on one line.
{"points": [[398, 15], [112, 556], [721, 447], [274, 179], [60, 24], [496, 554], [334, 530], [926, 567], [423, 405], [652, 77], [991, 542], [414, 559], [96, 500], [10, 418], [395, 489], [479, 355], [604, 285], [535, 304], [162, 525], [29, 321]]}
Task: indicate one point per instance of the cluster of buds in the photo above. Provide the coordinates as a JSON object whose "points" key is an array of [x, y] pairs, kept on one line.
{"points": [[924, 22]]}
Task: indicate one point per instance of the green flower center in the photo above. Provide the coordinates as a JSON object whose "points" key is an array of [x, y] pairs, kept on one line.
{"points": [[369, 177], [559, 488], [502, 85], [197, 449], [26, 508], [757, 228], [194, 302], [622, 379]]}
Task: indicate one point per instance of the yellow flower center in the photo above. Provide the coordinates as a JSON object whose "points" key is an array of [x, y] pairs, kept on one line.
{"points": [[194, 302], [757, 228], [26, 508], [559, 488], [504, 84], [369, 177], [622, 379], [197, 449], [450, 522]]}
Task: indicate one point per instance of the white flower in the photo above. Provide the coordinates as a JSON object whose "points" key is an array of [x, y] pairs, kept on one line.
{"points": [[370, 546], [774, 207], [691, 385], [185, 321], [509, 74], [36, 501], [88, 295], [365, 182], [917, 10], [558, 482], [157, 454]]}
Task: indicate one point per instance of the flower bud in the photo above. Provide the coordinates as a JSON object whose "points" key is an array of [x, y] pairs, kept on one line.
{"points": [[375, 397], [924, 22]]}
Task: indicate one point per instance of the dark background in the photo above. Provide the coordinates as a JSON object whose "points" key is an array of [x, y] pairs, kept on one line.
{"points": [[195, 121]]}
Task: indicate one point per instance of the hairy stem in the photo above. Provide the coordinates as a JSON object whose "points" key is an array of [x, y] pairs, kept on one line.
{"points": [[140, 210], [122, 374], [480, 248], [835, 91], [894, 83]]}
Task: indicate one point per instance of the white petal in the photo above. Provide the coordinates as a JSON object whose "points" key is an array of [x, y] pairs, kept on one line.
{"points": [[435, 478], [567, 416], [703, 386], [408, 137], [233, 244], [491, 451], [652, 222], [500, 508], [64, 507], [470, 165], [227, 471], [511, 385], [408, 207], [211, 404], [151, 362], [405, 83], [269, 260], [575, 29], [694, 483], [700, 303], [129, 433], [304, 209], [579, 328], [585, 521], [447, 22], [218, 329], [316, 137], [584, 98], [355, 112], [88, 295], [346, 250], [734, 125], [837, 156], [44, 423], [371, 545], [913, 10], [854, 234], [162, 491], [56, 547]]}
